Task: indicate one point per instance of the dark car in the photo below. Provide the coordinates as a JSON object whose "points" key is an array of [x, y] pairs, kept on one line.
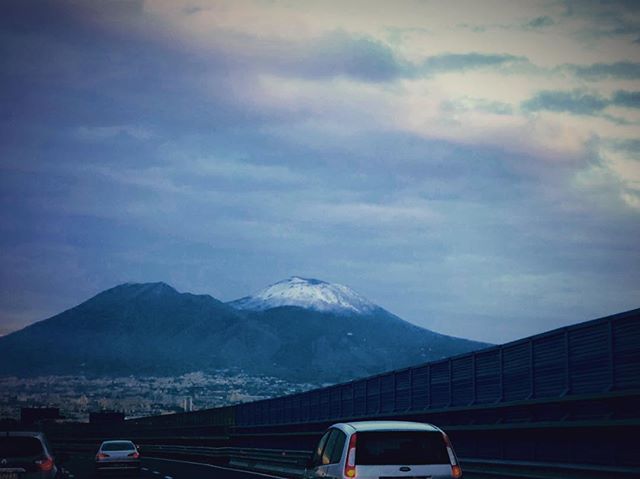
{"points": [[26, 455]]}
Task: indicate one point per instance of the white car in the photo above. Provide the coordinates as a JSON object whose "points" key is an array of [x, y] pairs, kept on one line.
{"points": [[118, 455], [383, 449]]}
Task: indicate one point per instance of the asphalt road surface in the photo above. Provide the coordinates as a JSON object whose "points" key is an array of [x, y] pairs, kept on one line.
{"points": [[81, 467]]}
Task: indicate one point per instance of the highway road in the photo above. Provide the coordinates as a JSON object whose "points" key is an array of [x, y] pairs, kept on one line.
{"points": [[81, 467]]}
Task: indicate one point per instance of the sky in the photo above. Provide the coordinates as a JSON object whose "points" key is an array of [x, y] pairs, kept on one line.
{"points": [[471, 166]]}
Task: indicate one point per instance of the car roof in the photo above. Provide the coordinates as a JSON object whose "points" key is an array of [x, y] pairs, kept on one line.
{"points": [[365, 426], [117, 440]]}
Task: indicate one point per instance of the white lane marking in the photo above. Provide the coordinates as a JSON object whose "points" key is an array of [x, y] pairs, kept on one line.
{"points": [[156, 472], [216, 467], [168, 477], [144, 469]]}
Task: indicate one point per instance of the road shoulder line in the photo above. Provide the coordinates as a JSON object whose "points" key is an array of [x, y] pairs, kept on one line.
{"points": [[215, 467]]}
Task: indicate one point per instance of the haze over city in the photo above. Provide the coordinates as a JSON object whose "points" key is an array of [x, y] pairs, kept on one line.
{"points": [[473, 169]]}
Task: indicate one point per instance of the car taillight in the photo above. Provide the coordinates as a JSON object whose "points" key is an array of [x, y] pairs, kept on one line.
{"points": [[45, 464], [101, 455], [350, 464], [456, 470], [135, 455]]}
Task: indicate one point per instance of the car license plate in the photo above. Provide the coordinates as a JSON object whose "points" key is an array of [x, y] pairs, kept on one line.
{"points": [[8, 475]]}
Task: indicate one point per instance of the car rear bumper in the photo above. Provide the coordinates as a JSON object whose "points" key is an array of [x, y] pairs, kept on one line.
{"points": [[117, 466]]}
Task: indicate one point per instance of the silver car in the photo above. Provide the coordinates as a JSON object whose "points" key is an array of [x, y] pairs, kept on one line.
{"points": [[26, 455], [118, 455], [383, 449]]}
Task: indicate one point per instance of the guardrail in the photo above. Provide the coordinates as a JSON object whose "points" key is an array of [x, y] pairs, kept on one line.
{"points": [[283, 462], [485, 469], [291, 463]]}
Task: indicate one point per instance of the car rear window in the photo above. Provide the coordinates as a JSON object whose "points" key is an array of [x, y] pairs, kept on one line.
{"points": [[20, 446], [378, 448], [118, 446]]}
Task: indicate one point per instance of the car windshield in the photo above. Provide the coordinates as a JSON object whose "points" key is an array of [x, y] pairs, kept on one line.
{"points": [[400, 447], [19, 446], [118, 446]]}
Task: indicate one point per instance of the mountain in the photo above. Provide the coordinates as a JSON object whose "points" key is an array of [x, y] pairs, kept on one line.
{"points": [[128, 329], [311, 294], [299, 329]]}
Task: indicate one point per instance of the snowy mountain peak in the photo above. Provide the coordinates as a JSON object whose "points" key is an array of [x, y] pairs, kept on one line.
{"points": [[309, 294]]}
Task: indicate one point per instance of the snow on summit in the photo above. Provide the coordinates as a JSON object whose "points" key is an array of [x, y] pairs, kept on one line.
{"points": [[309, 294]]}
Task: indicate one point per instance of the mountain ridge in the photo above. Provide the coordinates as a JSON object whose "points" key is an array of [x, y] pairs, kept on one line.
{"points": [[152, 329]]}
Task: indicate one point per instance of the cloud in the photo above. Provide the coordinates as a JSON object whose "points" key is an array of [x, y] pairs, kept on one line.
{"points": [[605, 19], [225, 147], [540, 22], [629, 146], [600, 71], [102, 133], [578, 102], [357, 56], [364, 58], [627, 99], [331, 54], [451, 62], [407, 215], [575, 102], [467, 104]]}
